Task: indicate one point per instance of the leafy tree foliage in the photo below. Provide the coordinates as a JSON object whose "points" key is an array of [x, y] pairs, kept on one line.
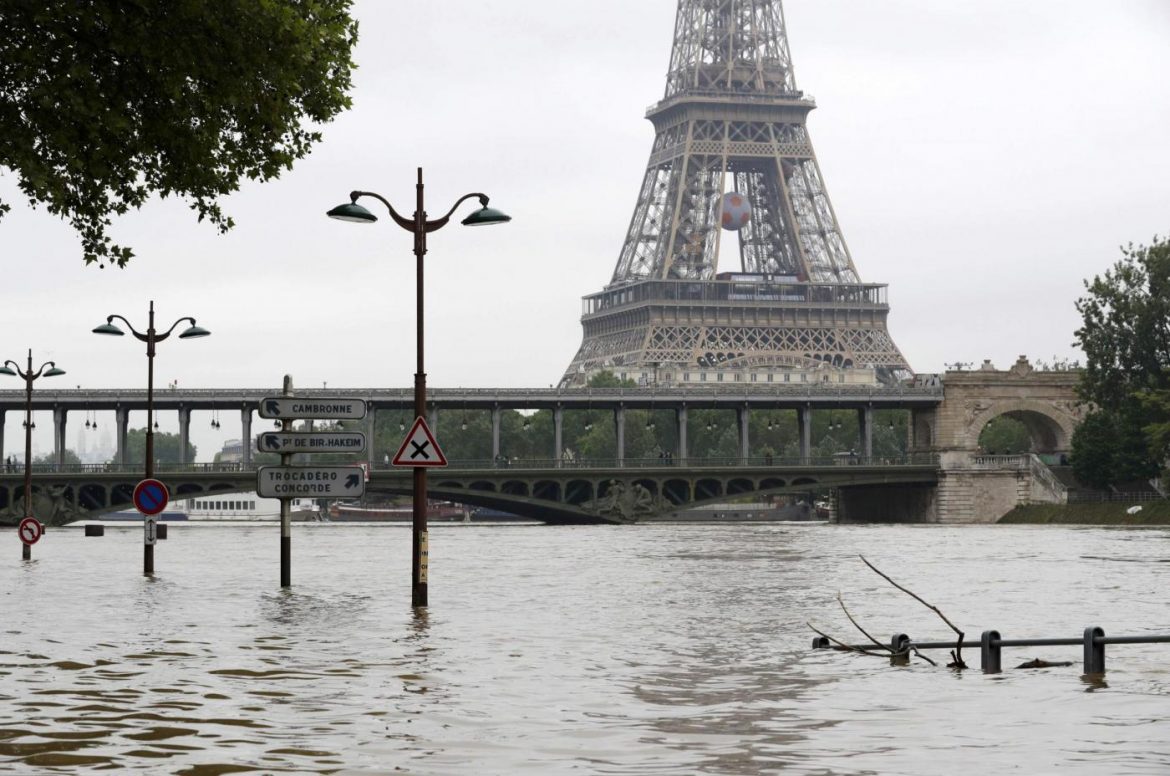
{"points": [[49, 459], [166, 447], [1126, 337], [106, 102], [1110, 447], [1125, 332], [1005, 436]]}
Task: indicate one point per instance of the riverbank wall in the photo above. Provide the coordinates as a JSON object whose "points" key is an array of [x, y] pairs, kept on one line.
{"points": [[1104, 513]]}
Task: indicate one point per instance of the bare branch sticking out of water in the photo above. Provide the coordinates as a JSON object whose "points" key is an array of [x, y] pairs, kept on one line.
{"points": [[865, 633], [957, 652]]}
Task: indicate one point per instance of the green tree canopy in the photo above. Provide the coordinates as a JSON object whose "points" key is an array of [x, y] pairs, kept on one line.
{"points": [[1125, 331], [51, 458], [1126, 337], [166, 447], [109, 101]]}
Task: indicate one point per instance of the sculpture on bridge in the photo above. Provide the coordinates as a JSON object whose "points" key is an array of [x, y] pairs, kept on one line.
{"points": [[51, 506], [627, 502]]}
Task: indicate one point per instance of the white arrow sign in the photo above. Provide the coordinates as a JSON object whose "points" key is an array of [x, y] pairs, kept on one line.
{"points": [[310, 482], [325, 442], [292, 408]]}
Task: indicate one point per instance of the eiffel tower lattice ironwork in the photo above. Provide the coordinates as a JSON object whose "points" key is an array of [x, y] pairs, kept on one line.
{"points": [[732, 124]]}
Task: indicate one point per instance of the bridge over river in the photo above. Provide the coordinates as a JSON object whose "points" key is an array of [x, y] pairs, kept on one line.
{"points": [[943, 477], [551, 490]]}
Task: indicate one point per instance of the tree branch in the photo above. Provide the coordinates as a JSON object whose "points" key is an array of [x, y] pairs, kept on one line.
{"points": [[956, 655], [841, 645]]}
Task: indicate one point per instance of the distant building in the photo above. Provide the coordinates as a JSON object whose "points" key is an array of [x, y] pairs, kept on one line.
{"points": [[232, 452]]}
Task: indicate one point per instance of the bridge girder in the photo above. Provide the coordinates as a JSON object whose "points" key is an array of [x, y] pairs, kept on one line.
{"points": [[556, 495]]}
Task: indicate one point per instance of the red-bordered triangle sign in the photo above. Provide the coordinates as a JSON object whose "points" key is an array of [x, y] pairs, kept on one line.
{"points": [[419, 448]]}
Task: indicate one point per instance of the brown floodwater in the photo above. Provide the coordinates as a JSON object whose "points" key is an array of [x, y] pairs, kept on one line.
{"points": [[663, 649]]}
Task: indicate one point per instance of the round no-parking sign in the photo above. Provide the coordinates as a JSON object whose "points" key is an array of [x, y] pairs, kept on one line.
{"points": [[31, 530], [151, 497]]}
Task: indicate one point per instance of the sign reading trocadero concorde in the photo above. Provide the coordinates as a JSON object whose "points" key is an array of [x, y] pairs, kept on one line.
{"points": [[310, 481]]}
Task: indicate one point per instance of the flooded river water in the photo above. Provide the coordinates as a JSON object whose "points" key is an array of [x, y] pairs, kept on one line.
{"points": [[664, 649]]}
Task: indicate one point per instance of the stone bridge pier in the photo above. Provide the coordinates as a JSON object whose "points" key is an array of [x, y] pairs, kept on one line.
{"points": [[977, 485]]}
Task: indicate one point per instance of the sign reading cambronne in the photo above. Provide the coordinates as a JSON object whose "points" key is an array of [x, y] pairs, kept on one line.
{"points": [[287, 407], [323, 442], [310, 481]]}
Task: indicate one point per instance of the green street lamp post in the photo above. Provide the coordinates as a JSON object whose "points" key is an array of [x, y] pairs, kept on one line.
{"points": [[12, 369], [419, 226], [151, 337]]}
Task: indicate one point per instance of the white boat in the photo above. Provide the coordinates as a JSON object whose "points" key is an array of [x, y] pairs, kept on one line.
{"points": [[244, 506]]}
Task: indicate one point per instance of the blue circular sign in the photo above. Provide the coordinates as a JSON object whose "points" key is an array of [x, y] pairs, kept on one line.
{"points": [[151, 497]]}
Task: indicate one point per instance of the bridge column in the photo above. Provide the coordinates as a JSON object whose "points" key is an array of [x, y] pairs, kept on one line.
{"points": [[865, 426], [804, 423], [59, 419], [619, 426], [743, 415], [680, 422], [371, 448], [121, 421], [558, 434], [2, 456], [246, 436], [184, 432], [433, 419], [495, 434]]}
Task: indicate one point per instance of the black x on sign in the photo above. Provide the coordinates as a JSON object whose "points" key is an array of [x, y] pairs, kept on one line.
{"points": [[419, 448]]}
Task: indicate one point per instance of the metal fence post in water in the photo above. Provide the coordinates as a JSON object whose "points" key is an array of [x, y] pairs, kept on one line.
{"points": [[900, 644], [1094, 650], [990, 652]]}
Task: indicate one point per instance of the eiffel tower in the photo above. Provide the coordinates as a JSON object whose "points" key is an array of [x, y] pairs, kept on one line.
{"points": [[732, 158]]}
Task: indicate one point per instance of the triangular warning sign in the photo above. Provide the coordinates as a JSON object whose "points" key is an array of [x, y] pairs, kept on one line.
{"points": [[419, 448]]}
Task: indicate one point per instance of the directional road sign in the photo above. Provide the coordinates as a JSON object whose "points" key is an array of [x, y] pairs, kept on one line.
{"points": [[149, 530], [291, 442], [420, 448], [151, 497], [310, 482], [292, 408], [31, 531]]}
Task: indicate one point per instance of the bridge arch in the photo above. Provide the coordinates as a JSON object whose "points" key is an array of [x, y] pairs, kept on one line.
{"points": [[1051, 432], [1046, 402]]}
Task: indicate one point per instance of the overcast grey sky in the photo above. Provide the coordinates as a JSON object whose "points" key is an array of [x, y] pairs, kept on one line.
{"points": [[983, 156]]}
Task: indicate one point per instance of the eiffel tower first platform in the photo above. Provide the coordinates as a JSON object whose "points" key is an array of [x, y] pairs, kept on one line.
{"points": [[732, 159]]}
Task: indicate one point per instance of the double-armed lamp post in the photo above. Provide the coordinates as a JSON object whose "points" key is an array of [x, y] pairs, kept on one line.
{"points": [[420, 227], [151, 337], [12, 369]]}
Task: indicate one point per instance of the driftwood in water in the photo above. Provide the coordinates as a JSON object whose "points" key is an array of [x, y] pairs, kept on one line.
{"points": [[1038, 663]]}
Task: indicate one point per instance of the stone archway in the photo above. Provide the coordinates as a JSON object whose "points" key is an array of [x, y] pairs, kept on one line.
{"points": [[1050, 433], [1045, 402]]}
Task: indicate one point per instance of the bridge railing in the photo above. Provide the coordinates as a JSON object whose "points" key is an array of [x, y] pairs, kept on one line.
{"points": [[917, 460], [656, 462]]}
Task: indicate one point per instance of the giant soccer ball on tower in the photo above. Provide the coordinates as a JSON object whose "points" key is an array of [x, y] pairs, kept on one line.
{"points": [[736, 211]]}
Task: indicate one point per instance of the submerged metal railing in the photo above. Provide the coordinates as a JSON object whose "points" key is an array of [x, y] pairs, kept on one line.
{"points": [[991, 646]]}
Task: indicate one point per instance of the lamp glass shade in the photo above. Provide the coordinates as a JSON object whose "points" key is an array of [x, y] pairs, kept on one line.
{"points": [[486, 216], [108, 328], [352, 212], [6, 371], [194, 331], [54, 372]]}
